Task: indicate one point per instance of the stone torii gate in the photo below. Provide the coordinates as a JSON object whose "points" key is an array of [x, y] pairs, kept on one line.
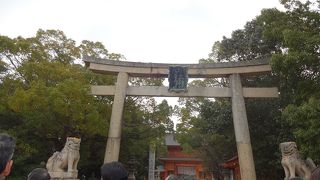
{"points": [[233, 70]]}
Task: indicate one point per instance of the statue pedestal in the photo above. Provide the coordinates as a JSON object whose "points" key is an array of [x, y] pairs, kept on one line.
{"points": [[64, 175], [131, 176], [296, 178]]}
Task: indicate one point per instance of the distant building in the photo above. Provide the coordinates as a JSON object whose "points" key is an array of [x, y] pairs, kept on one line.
{"points": [[181, 164], [233, 168]]}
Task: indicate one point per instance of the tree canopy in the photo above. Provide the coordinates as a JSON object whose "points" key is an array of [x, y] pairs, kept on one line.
{"points": [[45, 97], [290, 39]]}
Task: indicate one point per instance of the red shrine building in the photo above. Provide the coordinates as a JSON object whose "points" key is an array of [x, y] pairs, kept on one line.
{"points": [[232, 168], [191, 167], [182, 164]]}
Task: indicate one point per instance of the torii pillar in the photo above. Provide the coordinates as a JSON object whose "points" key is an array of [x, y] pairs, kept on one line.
{"points": [[241, 129], [114, 136]]}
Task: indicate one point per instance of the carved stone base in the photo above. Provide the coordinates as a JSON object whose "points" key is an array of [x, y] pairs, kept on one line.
{"points": [[64, 175], [296, 178]]}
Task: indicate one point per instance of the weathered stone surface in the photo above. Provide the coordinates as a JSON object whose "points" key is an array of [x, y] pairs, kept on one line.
{"points": [[162, 91], [296, 178], [292, 163], [125, 69], [241, 128], [315, 174], [262, 61], [114, 136], [194, 70], [64, 175], [63, 165]]}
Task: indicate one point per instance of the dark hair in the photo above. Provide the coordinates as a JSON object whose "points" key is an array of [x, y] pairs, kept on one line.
{"points": [[7, 145], [114, 171], [39, 174]]}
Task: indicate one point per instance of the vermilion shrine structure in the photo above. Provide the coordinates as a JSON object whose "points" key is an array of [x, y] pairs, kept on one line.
{"points": [[237, 93], [186, 165]]}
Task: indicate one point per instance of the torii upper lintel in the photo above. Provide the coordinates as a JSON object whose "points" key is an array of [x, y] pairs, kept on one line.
{"points": [[206, 70]]}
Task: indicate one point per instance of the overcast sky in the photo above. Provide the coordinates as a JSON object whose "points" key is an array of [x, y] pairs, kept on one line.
{"points": [[162, 31], [168, 31]]}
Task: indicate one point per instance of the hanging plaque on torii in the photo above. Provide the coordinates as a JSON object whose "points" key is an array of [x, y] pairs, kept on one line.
{"points": [[178, 78]]}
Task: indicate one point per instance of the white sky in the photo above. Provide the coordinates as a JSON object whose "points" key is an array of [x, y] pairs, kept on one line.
{"points": [[170, 31], [162, 31]]}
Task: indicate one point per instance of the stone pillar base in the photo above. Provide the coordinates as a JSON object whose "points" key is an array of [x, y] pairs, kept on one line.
{"points": [[64, 175], [296, 178]]}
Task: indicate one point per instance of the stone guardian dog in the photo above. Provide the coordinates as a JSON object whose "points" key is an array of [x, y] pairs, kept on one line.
{"points": [[64, 164], [292, 163]]}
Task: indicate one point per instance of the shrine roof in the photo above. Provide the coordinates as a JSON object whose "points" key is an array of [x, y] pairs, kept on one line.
{"points": [[171, 140], [231, 163]]}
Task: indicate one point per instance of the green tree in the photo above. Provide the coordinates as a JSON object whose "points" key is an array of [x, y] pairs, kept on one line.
{"points": [[298, 67], [296, 32], [45, 97], [211, 133], [263, 37], [291, 40], [305, 122], [143, 125]]}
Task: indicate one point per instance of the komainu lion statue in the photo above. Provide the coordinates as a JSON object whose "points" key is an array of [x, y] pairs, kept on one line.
{"points": [[293, 164], [64, 164]]}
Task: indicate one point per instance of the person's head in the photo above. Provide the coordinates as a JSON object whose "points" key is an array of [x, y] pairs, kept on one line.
{"points": [[7, 145], [114, 171], [39, 174], [172, 177]]}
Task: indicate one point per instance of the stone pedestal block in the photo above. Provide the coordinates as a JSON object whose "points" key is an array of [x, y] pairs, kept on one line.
{"points": [[296, 178], [64, 175]]}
